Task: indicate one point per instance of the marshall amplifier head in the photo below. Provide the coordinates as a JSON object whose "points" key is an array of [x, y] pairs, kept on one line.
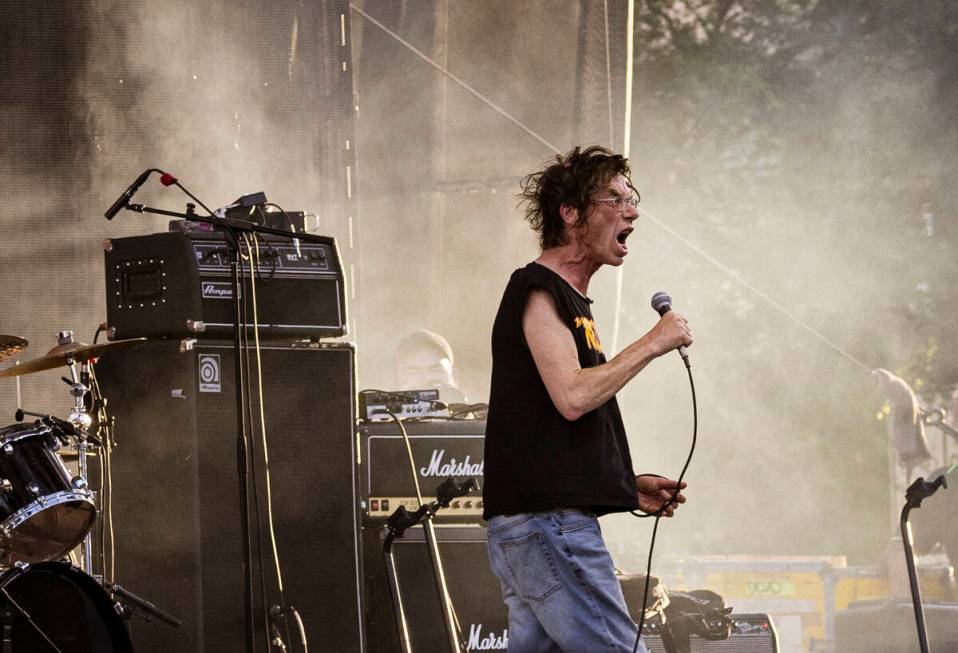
{"points": [[178, 285], [441, 449]]}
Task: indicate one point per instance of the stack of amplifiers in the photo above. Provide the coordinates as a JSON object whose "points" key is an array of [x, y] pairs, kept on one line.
{"points": [[441, 448], [179, 285]]}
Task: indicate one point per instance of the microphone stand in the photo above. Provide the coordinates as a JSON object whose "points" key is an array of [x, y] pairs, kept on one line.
{"points": [[233, 228], [914, 495], [397, 524]]}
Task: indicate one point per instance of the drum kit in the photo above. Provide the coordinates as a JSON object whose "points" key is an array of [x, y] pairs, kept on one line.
{"points": [[46, 512]]}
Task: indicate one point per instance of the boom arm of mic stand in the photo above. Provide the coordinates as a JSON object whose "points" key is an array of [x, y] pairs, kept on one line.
{"points": [[236, 225]]}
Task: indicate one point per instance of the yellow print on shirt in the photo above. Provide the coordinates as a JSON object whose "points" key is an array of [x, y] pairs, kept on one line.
{"points": [[591, 336]]}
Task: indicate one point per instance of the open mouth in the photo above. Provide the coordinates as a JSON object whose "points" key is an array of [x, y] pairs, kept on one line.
{"points": [[623, 235]]}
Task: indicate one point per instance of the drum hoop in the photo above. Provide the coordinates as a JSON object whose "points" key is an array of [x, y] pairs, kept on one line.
{"points": [[29, 431], [39, 505]]}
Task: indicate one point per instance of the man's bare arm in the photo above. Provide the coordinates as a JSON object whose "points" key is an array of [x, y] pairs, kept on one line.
{"points": [[575, 390]]}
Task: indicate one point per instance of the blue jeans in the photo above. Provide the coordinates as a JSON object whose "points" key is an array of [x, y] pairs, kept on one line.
{"points": [[559, 584]]}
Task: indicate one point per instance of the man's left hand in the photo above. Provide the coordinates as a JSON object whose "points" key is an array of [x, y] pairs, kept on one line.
{"points": [[654, 492]]}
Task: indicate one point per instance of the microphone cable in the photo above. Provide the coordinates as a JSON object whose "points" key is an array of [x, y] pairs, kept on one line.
{"points": [[658, 513]]}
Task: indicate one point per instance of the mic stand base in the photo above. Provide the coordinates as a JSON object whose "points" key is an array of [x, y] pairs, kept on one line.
{"points": [[135, 602]]}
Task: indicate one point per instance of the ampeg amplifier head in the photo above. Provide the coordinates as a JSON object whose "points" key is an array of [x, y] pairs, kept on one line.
{"points": [[179, 285]]}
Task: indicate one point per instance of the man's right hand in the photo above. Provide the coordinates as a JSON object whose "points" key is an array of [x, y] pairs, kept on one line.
{"points": [[670, 332]]}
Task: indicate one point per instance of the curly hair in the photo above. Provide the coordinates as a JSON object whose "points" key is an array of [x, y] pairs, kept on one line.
{"points": [[571, 179]]}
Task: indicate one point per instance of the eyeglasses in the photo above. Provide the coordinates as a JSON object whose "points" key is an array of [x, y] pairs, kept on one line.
{"points": [[619, 203]]}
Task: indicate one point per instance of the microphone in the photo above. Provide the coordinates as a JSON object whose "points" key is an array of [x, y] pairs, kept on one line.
{"points": [[662, 304], [127, 194]]}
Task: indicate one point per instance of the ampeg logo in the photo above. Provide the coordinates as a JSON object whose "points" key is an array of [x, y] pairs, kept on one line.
{"points": [[209, 373], [217, 290], [490, 641]]}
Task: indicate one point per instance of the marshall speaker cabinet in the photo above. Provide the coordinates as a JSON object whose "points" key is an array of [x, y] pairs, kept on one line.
{"points": [[178, 285], [475, 592]]}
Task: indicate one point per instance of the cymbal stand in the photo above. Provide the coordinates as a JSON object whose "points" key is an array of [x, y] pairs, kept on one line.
{"points": [[82, 421]]}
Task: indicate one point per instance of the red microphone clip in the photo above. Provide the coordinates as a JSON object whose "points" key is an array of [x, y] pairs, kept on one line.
{"points": [[167, 179]]}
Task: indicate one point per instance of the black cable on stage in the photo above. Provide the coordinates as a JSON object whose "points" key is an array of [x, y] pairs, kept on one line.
{"points": [[658, 513]]}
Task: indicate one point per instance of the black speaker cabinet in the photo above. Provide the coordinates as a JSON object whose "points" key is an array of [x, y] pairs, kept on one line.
{"points": [[475, 591], [176, 492]]}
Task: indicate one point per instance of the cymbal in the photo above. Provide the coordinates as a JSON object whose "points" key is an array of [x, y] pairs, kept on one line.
{"points": [[11, 346], [62, 354]]}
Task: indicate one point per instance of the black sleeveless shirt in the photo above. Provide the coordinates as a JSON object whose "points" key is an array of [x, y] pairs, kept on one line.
{"points": [[535, 459]]}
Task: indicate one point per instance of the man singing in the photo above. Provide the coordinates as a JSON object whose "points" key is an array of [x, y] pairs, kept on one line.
{"points": [[556, 455]]}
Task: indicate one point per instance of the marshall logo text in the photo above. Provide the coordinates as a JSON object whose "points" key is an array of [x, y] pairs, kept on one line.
{"points": [[488, 642], [452, 468]]}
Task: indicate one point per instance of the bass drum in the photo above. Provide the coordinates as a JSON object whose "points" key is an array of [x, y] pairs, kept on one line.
{"points": [[67, 605]]}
